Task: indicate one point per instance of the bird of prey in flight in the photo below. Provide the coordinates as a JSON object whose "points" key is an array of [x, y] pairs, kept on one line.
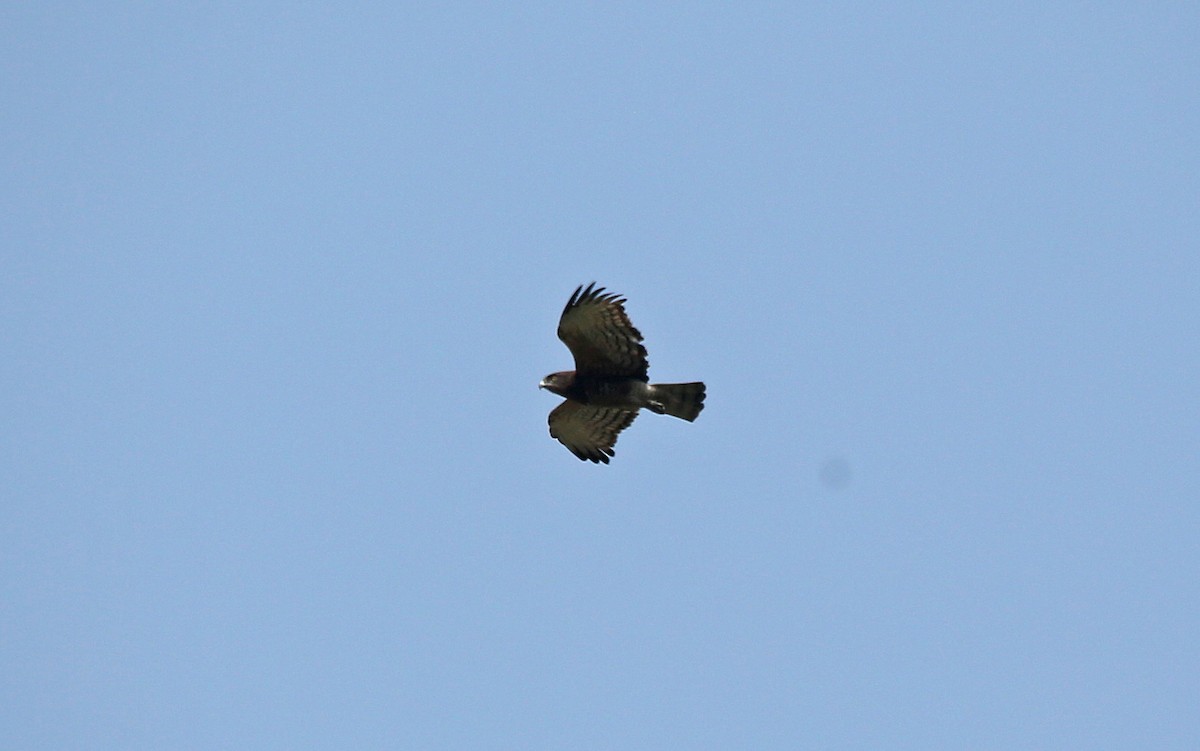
{"points": [[609, 384]]}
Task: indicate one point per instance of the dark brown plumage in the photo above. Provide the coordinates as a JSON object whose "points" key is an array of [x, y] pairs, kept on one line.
{"points": [[610, 382]]}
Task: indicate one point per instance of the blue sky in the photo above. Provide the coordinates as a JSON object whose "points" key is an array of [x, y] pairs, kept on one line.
{"points": [[280, 281]]}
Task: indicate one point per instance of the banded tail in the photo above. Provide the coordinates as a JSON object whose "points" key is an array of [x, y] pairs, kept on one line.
{"points": [[682, 400]]}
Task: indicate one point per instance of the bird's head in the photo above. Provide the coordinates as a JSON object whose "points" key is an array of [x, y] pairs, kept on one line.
{"points": [[558, 383]]}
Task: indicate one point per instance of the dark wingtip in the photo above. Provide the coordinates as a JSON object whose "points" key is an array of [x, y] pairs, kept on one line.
{"points": [[596, 457], [581, 294], [584, 456], [574, 298]]}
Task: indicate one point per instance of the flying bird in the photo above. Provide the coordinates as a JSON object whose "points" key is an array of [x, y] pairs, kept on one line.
{"points": [[609, 384]]}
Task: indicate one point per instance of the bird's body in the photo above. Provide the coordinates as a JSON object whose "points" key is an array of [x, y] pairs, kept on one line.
{"points": [[610, 382], [599, 391]]}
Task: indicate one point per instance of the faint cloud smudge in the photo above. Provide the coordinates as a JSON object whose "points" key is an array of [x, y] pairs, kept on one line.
{"points": [[835, 473]]}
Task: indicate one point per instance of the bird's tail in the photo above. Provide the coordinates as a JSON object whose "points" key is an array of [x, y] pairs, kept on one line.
{"points": [[682, 400]]}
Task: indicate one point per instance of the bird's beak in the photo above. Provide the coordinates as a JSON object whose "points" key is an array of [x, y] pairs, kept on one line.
{"points": [[542, 385]]}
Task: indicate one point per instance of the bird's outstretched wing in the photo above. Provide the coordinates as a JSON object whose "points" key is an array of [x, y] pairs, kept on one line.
{"points": [[589, 432], [598, 332]]}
